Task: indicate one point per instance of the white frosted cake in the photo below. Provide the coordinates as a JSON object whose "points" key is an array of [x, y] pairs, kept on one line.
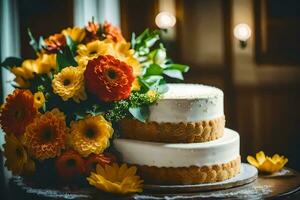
{"points": [[188, 103], [187, 113], [184, 141]]}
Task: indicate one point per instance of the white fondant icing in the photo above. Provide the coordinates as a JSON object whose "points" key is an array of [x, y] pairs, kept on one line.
{"points": [[188, 103], [219, 151]]}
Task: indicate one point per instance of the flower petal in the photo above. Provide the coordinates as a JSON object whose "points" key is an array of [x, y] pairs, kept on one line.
{"points": [[260, 157], [252, 161]]}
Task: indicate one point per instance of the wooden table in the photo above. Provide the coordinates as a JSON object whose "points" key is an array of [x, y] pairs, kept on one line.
{"points": [[280, 186]]}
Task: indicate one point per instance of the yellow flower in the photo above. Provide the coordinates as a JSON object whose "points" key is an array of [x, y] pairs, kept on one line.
{"points": [[120, 50], [45, 63], [39, 99], [69, 83], [42, 65], [267, 164], [125, 54], [15, 153], [77, 34], [90, 135], [152, 95], [93, 50], [115, 179], [136, 85], [24, 73]]}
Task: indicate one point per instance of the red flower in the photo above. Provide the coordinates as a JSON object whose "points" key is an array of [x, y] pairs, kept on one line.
{"points": [[112, 32], [55, 42], [108, 78], [102, 159], [18, 112], [69, 164]]}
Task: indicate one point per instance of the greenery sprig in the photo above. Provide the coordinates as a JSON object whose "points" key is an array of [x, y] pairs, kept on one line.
{"points": [[157, 68]]}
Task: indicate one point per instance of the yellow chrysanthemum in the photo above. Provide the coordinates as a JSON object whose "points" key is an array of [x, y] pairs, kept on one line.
{"points": [[45, 63], [39, 99], [93, 50], [42, 65], [15, 153], [77, 34], [120, 50], [115, 179], [24, 73], [90, 135], [267, 164], [69, 83]]}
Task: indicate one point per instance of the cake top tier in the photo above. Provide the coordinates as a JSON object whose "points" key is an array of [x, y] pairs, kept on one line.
{"points": [[188, 103], [191, 91]]}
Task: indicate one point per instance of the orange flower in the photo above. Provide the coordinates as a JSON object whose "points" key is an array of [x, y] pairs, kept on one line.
{"points": [[92, 31], [108, 78], [45, 137], [112, 32], [102, 159], [55, 42], [18, 112], [69, 164]]}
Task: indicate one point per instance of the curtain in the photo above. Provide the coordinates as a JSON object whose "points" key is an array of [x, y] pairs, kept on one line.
{"points": [[101, 10], [9, 46]]}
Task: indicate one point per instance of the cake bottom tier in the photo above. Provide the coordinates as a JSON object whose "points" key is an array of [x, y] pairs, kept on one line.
{"points": [[190, 175]]}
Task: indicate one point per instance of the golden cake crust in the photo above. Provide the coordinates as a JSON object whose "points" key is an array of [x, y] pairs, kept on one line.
{"points": [[190, 132], [190, 175]]}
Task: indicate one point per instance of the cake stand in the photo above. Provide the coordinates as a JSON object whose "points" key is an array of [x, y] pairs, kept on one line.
{"points": [[283, 184]]}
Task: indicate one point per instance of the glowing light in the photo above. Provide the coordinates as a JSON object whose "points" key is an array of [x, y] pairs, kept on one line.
{"points": [[165, 20], [242, 32]]}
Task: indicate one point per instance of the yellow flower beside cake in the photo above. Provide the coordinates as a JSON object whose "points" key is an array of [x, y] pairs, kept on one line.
{"points": [[267, 164]]}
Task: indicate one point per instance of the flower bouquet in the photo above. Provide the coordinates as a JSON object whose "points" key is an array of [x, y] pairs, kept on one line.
{"points": [[64, 112]]}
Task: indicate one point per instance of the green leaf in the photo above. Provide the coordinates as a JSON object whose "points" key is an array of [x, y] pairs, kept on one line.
{"points": [[162, 88], [142, 36], [133, 40], [173, 73], [151, 41], [10, 62], [140, 113], [65, 59], [153, 80], [41, 42], [182, 68], [32, 41], [71, 44], [144, 85], [153, 69]]}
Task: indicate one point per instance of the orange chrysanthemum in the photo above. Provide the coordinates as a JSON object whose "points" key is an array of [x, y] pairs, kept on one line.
{"points": [[92, 29], [101, 159], [112, 32], [69, 164], [18, 112], [45, 137], [55, 42], [108, 78]]}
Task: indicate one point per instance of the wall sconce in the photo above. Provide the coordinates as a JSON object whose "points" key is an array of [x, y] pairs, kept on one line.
{"points": [[165, 20], [242, 32]]}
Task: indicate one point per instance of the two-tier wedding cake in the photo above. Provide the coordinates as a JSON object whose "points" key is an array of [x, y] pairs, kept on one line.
{"points": [[184, 141]]}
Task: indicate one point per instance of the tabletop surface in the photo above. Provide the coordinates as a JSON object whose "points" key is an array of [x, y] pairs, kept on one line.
{"points": [[283, 184]]}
